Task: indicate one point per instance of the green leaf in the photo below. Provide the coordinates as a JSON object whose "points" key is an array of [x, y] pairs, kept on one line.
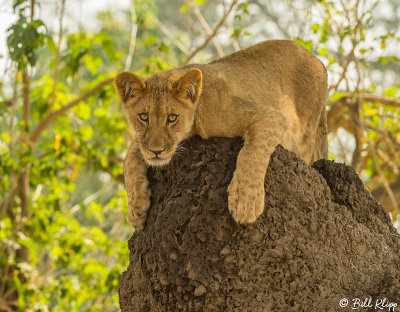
{"points": [[95, 211], [56, 252], [87, 133], [315, 28], [51, 45], [100, 112], [164, 48], [150, 40], [337, 96], [184, 8], [103, 161], [29, 35], [390, 92], [5, 137], [323, 51], [18, 3], [243, 8], [236, 32], [306, 44], [82, 110], [92, 63]]}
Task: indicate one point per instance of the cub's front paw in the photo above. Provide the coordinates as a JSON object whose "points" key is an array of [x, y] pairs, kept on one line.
{"points": [[137, 212], [245, 199]]}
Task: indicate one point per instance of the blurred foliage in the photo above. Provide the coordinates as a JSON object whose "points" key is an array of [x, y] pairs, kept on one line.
{"points": [[65, 250]]}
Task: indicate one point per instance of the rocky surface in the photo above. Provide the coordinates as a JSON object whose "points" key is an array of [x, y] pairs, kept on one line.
{"points": [[321, 238]]}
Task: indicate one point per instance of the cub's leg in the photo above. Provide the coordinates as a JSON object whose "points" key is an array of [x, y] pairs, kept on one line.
{"points": [[246, 190], [136, 185]]}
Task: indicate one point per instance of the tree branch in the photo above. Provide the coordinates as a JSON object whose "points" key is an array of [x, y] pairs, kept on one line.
{"points": [[374, 98], [118, 178], [213, 34], [25, 98], [385, 182], [23, 177], [338, 108], [338, 117], [12, 117], [34, 136], [380, 195], [206, 27], [388, 162]]}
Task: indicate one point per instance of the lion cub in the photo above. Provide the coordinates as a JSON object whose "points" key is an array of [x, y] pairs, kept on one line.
{"points": [[271, 93]]}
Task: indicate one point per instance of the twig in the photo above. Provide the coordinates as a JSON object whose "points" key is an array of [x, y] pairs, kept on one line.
{"points": [[350, 58], [132, 44], [167, 32], [357, 132], [51, 116], [341, 148], [386, 134], [206, 27], [90, 198], [6, 206], [274, 17], [391, 145], [388, 162], [364, 161], [25, 98], [56, 68], [32, 9], [213, 34], [235, 42]]}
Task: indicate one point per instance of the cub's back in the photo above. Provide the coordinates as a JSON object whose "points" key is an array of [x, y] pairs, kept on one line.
{"points": [[270, 71], [274, 68], [278, 60]]}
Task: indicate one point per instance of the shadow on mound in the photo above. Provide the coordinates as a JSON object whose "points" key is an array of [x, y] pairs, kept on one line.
{"points": [[321, 238]]}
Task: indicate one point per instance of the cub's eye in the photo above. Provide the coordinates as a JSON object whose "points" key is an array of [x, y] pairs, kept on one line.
{"points": [[144, 117], [172, 118]]}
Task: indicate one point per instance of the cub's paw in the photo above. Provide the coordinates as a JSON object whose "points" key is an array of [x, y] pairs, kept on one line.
{"points": [[137, 212], [245, 199]]}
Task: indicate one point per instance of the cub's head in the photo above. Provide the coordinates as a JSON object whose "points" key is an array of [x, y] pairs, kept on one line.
{"points": [[160, 110]]}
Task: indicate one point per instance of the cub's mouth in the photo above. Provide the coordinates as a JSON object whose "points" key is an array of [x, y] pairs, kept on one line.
{"points": [[159, 159]]}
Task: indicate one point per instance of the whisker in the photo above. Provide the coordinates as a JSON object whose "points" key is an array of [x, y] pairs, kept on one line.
{"points": [[180, 147]]}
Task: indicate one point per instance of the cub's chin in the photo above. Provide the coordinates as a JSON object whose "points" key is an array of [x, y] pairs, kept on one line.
{"points": [[157, 162]]}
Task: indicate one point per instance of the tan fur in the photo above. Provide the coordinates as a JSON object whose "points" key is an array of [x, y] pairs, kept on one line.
{"points": [[271, 93]]}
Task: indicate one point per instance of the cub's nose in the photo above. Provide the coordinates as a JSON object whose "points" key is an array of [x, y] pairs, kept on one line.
{"points": [[157, 151]]}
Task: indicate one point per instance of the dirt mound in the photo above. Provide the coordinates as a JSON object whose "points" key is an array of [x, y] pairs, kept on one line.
{"points": [[321, 238]]}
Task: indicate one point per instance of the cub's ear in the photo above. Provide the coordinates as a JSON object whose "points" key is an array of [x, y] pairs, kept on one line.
{"points": [[188, 87], [128, 86]]}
